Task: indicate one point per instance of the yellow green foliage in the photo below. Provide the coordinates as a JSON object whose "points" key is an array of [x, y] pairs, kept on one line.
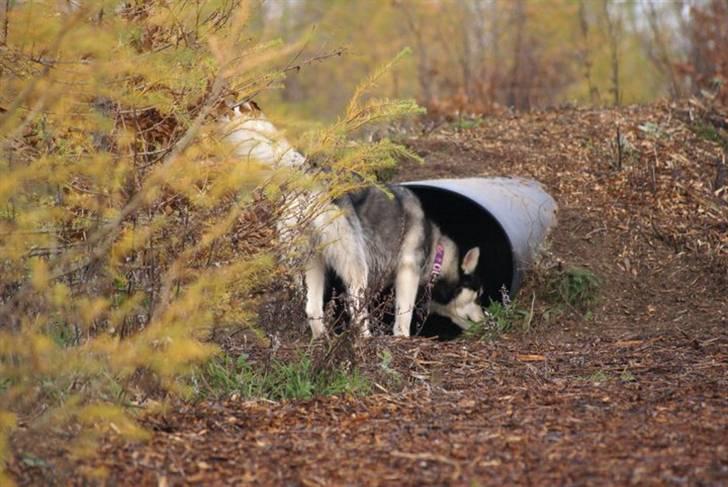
{"points": [[475, 56], [120, 197]]}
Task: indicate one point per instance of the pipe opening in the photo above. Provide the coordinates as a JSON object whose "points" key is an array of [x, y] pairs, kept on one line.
{"points": [[469, 225]]}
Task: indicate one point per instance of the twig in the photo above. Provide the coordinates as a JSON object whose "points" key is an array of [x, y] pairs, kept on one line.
{"points": [[652, 164], [721, 174], [336, 52], [619, 149], [594, 232], [530, 313], [297, 67]]}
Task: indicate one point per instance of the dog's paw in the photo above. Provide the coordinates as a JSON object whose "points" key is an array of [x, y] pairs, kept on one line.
{"points": [[317, 328], [400, 333], [319, 336]]}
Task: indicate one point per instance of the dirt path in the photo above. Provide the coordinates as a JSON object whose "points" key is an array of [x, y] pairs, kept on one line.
{"points": [[636, 394]]}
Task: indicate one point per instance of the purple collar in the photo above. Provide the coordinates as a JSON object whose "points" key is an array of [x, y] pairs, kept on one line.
{"points": [[437, 264]]}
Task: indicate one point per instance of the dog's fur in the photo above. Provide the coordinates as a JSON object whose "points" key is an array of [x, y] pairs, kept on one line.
{"points": [[369, 239], [255, 138]]}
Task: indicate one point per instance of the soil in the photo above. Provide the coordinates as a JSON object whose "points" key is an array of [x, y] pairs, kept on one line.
{"points": [[634, 392]]}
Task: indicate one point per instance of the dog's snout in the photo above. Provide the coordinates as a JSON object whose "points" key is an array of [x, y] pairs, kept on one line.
{"points": [[478, 315], [475, 313]]}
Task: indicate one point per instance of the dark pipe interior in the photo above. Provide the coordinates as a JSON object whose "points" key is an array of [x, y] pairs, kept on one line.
{"points": [[469, 225]]}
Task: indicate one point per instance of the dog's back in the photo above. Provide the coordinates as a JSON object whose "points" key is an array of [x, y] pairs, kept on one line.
{"points": [[392, 228]]}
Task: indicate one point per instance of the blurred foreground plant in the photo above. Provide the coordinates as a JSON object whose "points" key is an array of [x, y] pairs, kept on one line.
{"points": [[128, 226]]}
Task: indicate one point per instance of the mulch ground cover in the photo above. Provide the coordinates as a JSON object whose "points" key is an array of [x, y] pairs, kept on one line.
{"points": [[647, 410], [635, 393]]}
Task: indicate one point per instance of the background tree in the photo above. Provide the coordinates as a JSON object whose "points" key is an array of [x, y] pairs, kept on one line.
{"points": [[706, 63]]}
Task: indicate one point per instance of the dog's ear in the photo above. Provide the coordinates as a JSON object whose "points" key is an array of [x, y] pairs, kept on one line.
{"points": [[470, 261], [250, 106], [229, 101], [225, 106]]}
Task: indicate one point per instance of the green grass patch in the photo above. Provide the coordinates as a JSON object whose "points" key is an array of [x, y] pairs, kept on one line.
{"points": [[226, 376], [467, 123], [598, 377], [5, 384], [707, 131], [500, 318], [390, 376], [627, 376], [574, 287], [63, 334]]}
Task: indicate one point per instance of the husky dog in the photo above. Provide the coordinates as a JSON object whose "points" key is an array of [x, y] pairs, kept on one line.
{"points": [[369, 238], [255, 138], [386, 240]]}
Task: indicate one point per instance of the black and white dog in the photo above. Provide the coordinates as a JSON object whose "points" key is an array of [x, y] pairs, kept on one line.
{"points": [[369, 238]]}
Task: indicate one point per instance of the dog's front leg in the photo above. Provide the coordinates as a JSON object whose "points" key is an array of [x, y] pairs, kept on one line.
{"points": [[358, 309], [352, 267], [405, 290], [315, 282]]}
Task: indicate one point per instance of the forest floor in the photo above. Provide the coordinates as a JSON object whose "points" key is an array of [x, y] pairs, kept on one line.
{"points": [[633, 392]]}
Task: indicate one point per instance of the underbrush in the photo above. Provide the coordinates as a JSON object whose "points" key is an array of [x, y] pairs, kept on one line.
{"points": [[226, 376]]}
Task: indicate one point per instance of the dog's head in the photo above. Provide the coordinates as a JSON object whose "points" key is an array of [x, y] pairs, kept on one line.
{"points": [[456, 295], [254, 137]]}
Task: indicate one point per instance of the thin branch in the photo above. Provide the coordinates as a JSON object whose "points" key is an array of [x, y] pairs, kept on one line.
{"points": [[30, 86], [295, 67]]}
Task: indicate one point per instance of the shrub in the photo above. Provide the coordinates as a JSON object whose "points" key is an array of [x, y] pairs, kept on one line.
{"points": [[128, 226]]}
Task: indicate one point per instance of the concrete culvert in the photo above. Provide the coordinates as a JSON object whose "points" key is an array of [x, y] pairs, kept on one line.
{"points": [[507, 217]]}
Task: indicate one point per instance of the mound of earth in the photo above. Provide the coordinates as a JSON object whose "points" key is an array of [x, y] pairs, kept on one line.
{"points": [[633, 392]]}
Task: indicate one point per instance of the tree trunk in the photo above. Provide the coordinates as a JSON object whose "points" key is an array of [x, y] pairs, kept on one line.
{"points": [[585, 53], [424, 71], [664, 63], [515, 94], [613, 32]]}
